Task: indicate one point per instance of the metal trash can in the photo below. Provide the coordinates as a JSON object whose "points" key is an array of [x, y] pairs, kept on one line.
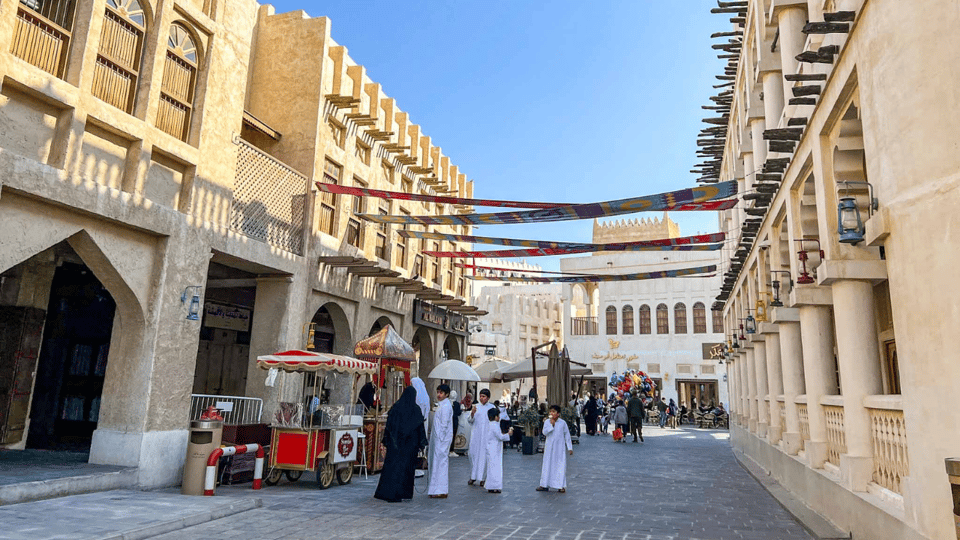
{"points": [[205, 437], [953, 473]]}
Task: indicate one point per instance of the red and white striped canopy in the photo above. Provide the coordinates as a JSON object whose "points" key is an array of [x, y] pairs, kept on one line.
{"points": [[297, 360]]}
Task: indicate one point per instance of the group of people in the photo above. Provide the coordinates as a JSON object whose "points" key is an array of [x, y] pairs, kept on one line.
{"points": [[405, 435]]}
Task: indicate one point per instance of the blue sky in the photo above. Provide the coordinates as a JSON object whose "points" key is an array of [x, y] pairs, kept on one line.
{"points": [[566, 101]]}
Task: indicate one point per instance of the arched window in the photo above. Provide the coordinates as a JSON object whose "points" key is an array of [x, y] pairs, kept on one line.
{"points": [[717, 321], [42, 33], [120, 56], [663, 324], [699, 318], [680, 318], [179, 81], [644, 316], [611, 320], [627, 320]]}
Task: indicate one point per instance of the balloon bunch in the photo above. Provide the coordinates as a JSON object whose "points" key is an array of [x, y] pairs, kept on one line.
{"points": [[630, 380]]}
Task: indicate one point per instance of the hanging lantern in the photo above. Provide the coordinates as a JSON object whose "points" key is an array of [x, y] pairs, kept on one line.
{"points": [[762, 309], [742, 337], [750, 324], [805, 278], [776, 295], [849, 225]]}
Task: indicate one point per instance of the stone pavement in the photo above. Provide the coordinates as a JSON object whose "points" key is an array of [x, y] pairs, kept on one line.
{"points": [[679, 484]]}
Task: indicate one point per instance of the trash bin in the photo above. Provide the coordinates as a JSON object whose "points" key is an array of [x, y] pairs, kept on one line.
{"points": [[953, 472], [205, 437]]}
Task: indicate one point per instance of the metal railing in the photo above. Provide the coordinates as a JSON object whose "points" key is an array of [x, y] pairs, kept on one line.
{"points": [[235, 410], [584, 326]]}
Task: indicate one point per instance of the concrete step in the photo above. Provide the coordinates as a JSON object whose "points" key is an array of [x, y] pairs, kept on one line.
{"points": [[815, 524], [33, 490]]}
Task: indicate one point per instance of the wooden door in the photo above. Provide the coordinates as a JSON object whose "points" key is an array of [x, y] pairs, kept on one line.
{"points": [[21, 330]]}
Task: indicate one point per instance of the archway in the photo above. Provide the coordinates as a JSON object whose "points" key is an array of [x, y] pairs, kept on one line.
{"points": [[423, 345], [380, 324], [451, 349], [331, 330]]}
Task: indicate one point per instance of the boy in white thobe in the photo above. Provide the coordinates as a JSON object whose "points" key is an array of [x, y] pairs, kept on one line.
{"points": [[494, 451], [441, 437], [478, 438], [554, 471]]}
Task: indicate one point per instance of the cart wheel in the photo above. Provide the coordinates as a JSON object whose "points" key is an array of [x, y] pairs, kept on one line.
{"points": [[325, 474], [344, 475], [272, 477], [293, 476]]}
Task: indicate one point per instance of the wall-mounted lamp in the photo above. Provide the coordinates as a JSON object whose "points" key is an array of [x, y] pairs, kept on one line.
{"points": [[193, 312], [762, 308], [776, 287], [850, 226], [734, 345], [805, 278], [750, 324], [311, 330], [742, 337]]}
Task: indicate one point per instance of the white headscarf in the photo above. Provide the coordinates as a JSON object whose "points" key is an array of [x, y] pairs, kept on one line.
{"points": [[423, 398]]}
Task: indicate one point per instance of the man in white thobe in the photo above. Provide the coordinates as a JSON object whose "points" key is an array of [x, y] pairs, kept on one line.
{"points": [[440, 438], [555, 450], [493, 448], [478, 438]]}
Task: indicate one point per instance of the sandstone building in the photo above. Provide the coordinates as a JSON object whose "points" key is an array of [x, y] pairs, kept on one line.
{"points": [[159, 224]]}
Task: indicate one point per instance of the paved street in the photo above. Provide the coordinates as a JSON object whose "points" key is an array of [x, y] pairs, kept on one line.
{"points": [[679, 484]]}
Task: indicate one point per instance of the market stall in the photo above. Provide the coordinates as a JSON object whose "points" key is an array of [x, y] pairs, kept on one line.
{"points": [[392, 356], [308, 434]]}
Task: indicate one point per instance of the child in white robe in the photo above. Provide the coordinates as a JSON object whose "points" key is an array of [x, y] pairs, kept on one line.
{"points": [[494, 452], [478, 438], [440, 441], [555, 450]]}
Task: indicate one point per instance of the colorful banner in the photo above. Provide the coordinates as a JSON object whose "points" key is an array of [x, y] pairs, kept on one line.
{"points": [[500, 269], [603, 277], [696, 239], [684, 199], [546, 252], [439, 199]]}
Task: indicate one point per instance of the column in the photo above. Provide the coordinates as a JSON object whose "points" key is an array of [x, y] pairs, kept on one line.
{"points": [[751, 388], [791, 358], [773, 98], [732, 390], [763, 409], [757, 125], [774, 381], [744, 388], [791, 21], [816, 336], [859, 358]]}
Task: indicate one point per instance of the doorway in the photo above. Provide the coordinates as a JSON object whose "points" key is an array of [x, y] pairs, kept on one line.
{"points": [[73, 361], [704, 392]]}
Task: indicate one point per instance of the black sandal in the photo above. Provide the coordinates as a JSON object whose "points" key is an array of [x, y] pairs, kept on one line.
{"points": [[541, 488], [470, 482]]}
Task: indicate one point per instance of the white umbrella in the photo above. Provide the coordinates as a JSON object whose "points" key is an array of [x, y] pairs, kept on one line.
{"points": [[488, 369], [454, 370], [524, 369]]}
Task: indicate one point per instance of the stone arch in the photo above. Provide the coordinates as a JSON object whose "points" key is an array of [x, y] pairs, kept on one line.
{"points": [[380, 324], [422, 343], [451, 345], [332, 332]]}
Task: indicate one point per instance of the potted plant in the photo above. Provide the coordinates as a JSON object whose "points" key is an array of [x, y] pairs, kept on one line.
{"points": [[530, 420]]}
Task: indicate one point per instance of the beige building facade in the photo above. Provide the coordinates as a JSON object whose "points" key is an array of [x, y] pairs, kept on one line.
{"points": [[844, 393], [160, 227]]}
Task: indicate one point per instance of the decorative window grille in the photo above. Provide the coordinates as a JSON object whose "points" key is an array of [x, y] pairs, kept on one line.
{"points": [[179, 81], [42, 33], [644, 316], [268, 200], [663, 323], [699, 318], [611, 320], [627, 320], [680, 318], [717, 316], [117, 68], [328, 201]]}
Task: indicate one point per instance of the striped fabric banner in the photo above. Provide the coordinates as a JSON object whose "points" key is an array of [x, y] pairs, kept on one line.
{"points": [[547, 252], [439, 199], [697, 198], [696, 239], [603, 277]]}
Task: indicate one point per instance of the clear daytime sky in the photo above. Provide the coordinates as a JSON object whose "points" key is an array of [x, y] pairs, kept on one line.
{"points": [[560, 101]]}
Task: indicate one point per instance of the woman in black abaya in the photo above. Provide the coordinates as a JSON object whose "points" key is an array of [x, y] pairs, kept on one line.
{"points": [[403, 437], [591, 412]]}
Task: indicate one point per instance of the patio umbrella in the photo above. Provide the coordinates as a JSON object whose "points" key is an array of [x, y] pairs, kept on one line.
{"points": [[524, 369], [487, 369], [454, 370]]}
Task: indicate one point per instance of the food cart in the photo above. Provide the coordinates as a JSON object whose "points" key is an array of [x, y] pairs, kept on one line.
{"points": [[392, 356], [309, 435]]}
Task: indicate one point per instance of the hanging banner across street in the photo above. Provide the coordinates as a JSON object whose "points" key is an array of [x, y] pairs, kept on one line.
{"points": [[602, 277], [697, 239], [689, 199], [546, 252]]}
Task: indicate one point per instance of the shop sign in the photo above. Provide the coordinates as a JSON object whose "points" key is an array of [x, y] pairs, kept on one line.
{"points": [[712, 351], [433, 316], [226, 317]]}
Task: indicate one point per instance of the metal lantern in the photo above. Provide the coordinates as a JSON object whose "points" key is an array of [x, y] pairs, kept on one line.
{"points": [[849, 225], [750, 324], [193, 312]]}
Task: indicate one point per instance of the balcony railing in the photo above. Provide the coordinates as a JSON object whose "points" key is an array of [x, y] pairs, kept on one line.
{"points": [[268, 200], [40, 42], [804, 420], [584, 326], [836, 437], [890, 463]]}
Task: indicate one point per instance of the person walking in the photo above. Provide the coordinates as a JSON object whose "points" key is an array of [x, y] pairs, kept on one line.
{"points": [[457, 410], [441, 436], [478, 437], [553, 474], [662, 408], [672, 414], [403, 437], [620, 419], [591, 411], [635, 416], [494, 450]]}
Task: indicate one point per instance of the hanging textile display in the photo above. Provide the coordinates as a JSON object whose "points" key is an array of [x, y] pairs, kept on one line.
{"points": [[684, 199], [438, 199], [492, 270], [602, 277], [546, 252], [696, 239]]}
